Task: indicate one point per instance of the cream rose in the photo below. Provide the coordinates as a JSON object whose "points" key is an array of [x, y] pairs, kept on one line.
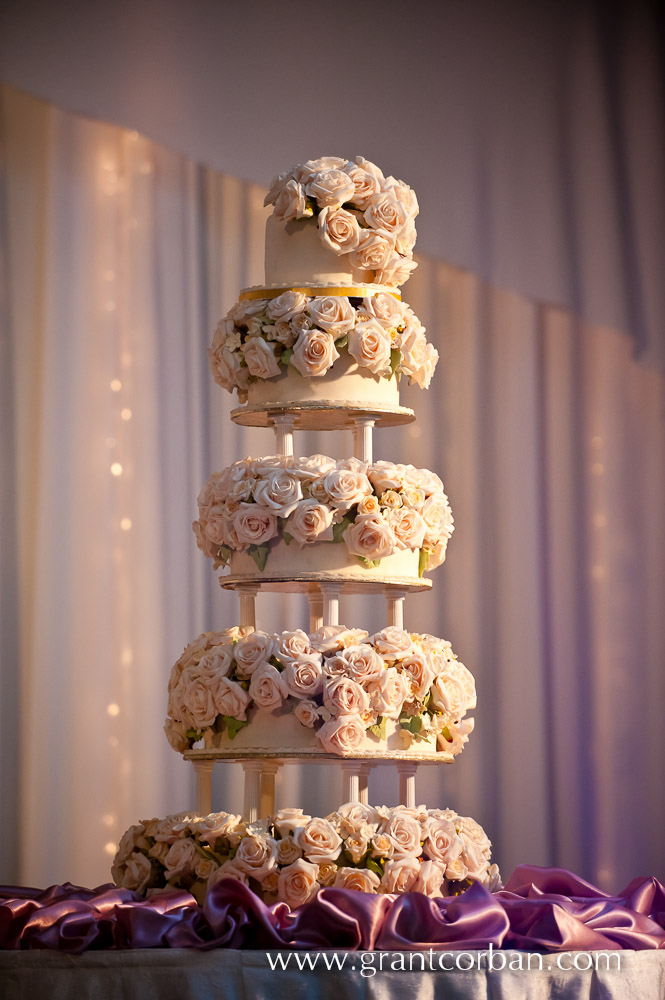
{"points": [[279, 491], [422, 376], [389, 693], [215, 825], [318, 840], [385, 309], [176, 733], [474, 860], [343, 735], [400, 875], [260, 358], [256, 856], [374, 251], [472, 831], [312, 466], [227, 370], [297, 883], [135, 874], [304, 678], [287, 305], [358, 816], [430, 879], [385, 476], [228, 870], [193, 700], [290, 203], [441, 843], [345, 488], [382, 846], [370, 346], [287, 821], [409, 527], [356, 846], [255, 648], [314, 352], [338, 229], [287, 851], [396, 270], [267, 687], [330, 187], [404, 832], [310, 521], [327, 873], [363, 663], [231, 699], [254, 524], [369, 505], [181, 859], [418, 669], [332, 313], [365, 185], [307, 713], [438, 518], [392, 642], [358, 879], [343, 696], [370, 537], [387, 213], [294, 646]]}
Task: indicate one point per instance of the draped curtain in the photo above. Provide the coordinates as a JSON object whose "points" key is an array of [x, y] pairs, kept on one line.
{"points": [[119, 258]]}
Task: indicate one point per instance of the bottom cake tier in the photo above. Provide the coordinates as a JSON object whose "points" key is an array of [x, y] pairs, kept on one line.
{"points": [[290, 855]]}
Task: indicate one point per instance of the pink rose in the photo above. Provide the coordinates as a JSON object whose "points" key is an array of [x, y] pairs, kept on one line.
{"points": [[254, 524], [343, 735], [370, 537], [267, 687]]}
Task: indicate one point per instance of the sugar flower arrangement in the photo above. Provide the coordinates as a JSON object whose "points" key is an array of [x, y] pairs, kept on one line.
{"points": [[339, 682], [290, 856], [360, 214], [375, 510], [260, 339]]}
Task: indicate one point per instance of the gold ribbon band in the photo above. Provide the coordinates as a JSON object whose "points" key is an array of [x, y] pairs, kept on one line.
{"points": [[351, 291]]}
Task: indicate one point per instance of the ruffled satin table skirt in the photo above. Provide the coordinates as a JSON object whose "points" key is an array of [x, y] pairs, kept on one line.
{"points": [[548, 933]]}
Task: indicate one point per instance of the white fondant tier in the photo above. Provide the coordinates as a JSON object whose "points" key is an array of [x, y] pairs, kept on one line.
{"points": [[284, 736], [295, 255], [325, 559], [345, 384]]}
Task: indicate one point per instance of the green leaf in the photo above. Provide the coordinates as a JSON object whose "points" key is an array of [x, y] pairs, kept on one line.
{"points": [[287, 537], [423, 559], [395, 358], [259, 553], [379, 728], [342, 342], [411, 722], [286, 356], [234, 725], [369, 563], [224, 553], [340, 528], [193, 734], [374, 866]]}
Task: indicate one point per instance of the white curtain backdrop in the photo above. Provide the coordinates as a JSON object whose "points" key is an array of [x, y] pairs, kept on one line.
{"points": [[120, 258]]}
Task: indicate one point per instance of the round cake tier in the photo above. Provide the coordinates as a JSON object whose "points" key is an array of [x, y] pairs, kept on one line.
{"points": [[325, 562], [333, 402], [295, 255]]}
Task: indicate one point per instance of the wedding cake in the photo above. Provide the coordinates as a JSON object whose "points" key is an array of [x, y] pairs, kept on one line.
{"points": [[323, 343]]}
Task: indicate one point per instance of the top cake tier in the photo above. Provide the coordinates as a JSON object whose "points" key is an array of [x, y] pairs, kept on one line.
{"points": [[327, 337], [336, 221]]}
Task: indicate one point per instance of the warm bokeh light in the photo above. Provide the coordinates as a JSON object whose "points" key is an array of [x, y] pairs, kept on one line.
{"points": [[116, 469], [113, 709]]}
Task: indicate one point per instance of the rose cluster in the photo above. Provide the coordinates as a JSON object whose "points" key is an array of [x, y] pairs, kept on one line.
{"points": [[342, 683], [360, 214], [260, 338], [291, 855], [375, 510]]}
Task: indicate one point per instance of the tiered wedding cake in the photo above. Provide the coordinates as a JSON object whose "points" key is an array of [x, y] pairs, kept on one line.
{"points": [[322, 344]]}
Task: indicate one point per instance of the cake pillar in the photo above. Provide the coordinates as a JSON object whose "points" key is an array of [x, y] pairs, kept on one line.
{"points": [[203, 772], [407, 783], [351, 780], [330, 593], [283, 424], [395, 599], [252, 798], [363, 783], [247, 595], [362, 438], [268, 774], [315, 598]]}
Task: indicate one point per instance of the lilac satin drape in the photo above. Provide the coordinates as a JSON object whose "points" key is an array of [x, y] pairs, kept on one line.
{"points": [[547, 909]]}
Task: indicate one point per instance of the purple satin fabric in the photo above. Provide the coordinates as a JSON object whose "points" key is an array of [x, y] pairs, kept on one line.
{"points": [[540, 909]]}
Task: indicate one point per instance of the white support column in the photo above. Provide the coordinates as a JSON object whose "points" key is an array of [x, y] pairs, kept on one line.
{"points": [[330, 593], [351, 780], [362, 438], [247, 594], [252, 797], [363, 782], [395, 599], [407, 783], [283, 424], [315, 598], [268, 774], [203, 772]]}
